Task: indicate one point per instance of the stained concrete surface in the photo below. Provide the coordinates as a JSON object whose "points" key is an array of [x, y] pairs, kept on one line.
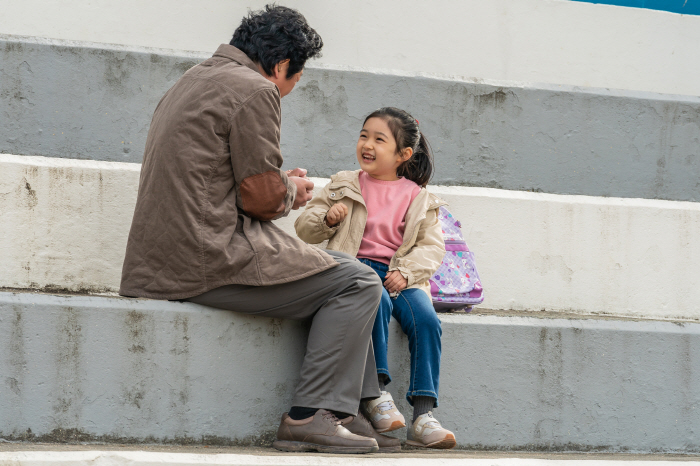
{"points": [[97, 369], [80, 101]]}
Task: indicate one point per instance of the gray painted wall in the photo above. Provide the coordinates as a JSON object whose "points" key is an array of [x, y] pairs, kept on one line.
{"points": [[70, 100], [115, 369]]}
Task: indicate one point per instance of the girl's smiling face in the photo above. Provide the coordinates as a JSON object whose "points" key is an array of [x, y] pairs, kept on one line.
{"points": [[377, 151]]}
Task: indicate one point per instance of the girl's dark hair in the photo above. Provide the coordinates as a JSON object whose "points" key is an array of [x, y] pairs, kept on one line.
{"points": [[274, 34], [404, 128]]}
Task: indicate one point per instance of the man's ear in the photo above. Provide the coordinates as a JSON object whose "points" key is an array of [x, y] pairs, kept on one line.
{"points": [[279, 71]]}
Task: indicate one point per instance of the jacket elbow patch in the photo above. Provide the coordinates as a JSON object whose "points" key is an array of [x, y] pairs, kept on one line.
{"points": [[262, 195]]}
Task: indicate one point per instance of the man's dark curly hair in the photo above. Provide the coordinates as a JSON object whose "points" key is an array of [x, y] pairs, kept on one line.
{"points": [[275, 33]]}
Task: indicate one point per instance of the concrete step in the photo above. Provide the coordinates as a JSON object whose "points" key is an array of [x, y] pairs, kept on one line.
{"points": [[108, 369], [519, 136], [65, 224]]}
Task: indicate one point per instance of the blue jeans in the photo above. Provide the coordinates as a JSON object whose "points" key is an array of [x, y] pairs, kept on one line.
{"points": [[414, 311]]}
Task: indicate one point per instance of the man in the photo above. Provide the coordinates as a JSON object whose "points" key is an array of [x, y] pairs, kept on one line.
{"points": [[210, 185]]}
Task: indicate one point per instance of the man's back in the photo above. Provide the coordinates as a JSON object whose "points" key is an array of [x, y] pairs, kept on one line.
{"points": [[212, 153]]}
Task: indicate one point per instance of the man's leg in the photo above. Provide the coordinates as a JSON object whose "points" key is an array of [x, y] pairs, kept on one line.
{"points": [[380, 331], [338, 368]]}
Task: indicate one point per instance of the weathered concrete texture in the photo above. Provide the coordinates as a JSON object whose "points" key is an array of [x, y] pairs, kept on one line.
{"points": [[74, 100], [117, 368], [66, 222], [581, 254], [566, 141], [138, 370], [81, 102]]}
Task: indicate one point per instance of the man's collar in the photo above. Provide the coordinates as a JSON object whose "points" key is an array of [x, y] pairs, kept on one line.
{"points": [[231, 52]]}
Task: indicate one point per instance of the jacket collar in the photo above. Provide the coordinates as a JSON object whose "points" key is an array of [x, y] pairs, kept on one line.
{"points": [[351, 179], [348, 178], [235, 54]]}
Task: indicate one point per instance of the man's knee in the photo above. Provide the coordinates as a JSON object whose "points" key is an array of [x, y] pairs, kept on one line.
{"points": [[356, 274], [371, 286], [362, 273], [371, 278]]}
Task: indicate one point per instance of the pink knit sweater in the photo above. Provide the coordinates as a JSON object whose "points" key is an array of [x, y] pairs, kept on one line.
{"points": [[387, 203]]}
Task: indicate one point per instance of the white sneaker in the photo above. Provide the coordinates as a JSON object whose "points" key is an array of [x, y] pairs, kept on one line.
{"points": [[383, 414], [427, 432]]}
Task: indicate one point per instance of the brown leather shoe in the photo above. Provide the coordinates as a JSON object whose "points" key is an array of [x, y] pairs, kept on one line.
{"points": [[360, 425], [323, 433]]}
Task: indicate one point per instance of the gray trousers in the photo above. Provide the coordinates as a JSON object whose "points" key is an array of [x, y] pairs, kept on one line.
{"points": [[339, 367]]}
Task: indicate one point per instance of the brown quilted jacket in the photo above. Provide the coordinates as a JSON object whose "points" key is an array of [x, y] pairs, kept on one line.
{"points": [[210, 184]]}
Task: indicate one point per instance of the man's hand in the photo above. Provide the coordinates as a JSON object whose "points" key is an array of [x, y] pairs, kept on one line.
{"points": [[300, 172], [305, 189], [394, 282], [336, 214]]}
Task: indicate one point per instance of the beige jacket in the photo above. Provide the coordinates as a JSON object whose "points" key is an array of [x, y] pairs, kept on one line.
{"points": [[210, 184], [423, 246]]}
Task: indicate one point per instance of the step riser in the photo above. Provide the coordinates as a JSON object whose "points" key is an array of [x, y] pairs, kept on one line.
{"points": [[556, 139], [158, 371]]}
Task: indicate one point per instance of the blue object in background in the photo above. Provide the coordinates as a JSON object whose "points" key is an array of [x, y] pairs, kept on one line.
{"points": [[684, 7]]}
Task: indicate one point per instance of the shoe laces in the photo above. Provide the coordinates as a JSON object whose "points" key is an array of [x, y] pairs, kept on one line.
{"points": [[332, 418], [386, 406], [433, 423]]}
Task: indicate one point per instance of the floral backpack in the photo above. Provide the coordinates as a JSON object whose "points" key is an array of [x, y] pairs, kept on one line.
{"points": [[456, 284]]}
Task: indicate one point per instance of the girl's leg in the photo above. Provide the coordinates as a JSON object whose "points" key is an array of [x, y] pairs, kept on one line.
{"points": [[414, 311], [416, 315]]}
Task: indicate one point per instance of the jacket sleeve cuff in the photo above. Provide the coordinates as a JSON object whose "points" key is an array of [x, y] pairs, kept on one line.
{"points": [[290, 197], [325, 229]]}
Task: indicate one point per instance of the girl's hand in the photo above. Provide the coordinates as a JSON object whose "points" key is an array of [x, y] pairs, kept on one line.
{"points": [[336, 214], [395, 282]]}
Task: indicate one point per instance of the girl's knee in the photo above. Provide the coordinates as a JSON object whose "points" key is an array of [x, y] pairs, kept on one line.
{"points": [[431, 323], [417, 314]]}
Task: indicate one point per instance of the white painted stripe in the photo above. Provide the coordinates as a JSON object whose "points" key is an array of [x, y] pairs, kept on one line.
{"points": [[38, 161], [55, 162], [102, 45], [139, 458]]}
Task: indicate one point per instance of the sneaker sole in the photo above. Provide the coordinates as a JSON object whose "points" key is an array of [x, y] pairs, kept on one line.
{"points": [[394, 426], [444, 444], [288, 445]]}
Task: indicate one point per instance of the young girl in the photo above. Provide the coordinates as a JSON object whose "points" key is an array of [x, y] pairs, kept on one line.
{"points": [[383, 214]]}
